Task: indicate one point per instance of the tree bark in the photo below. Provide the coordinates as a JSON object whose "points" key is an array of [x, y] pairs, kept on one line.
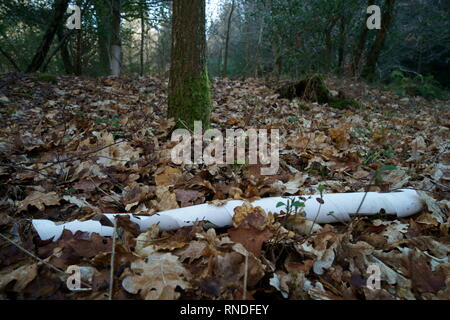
{"points": [[257, 62], [103, 19], [342, 43], [10, 59], [361, 45], [329, 48], [329, 42], [62, 46], [60, 8], [227, 39], [189, 90], [143, 9], [277, 59], [65, 54], [116, 43], [278, 63], [375, 51], [78, 69]]}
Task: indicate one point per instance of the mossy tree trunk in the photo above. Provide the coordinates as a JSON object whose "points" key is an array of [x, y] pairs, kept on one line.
{"points": [[189, 90]]}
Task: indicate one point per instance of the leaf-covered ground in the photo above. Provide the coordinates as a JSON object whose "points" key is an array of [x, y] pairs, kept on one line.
{"points": [[76, 148]]}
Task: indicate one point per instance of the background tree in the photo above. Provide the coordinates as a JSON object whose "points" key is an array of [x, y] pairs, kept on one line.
{"points": [[227, 38], [60, 7], [116, 41], [102, 17], [258, 38], [378, 44]]}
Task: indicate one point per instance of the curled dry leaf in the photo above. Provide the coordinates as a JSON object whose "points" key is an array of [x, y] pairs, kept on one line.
{"points": [[133, 194], [117, 154], [341, 135], [166, 200], [70, 248], [395, 230], [157, 277], [249, 216], [168, 177], [39, 200], [180, 238], [323, 249], [194, 251], [293, 185], [22, 275], [251, 228], [251, 238], [187, 197], [300, 225], [230, 269], [79, 202]]}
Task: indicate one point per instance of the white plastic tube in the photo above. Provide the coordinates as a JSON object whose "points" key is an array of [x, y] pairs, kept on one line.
{"points": [[337, 207], [48, 229]]}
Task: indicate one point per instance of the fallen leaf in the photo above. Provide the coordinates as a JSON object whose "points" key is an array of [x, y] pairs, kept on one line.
{"points": [[157, 277], [22, 275], [39, 200], [169, 177]]}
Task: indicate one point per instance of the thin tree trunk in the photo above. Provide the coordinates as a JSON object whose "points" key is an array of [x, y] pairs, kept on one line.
{"points": [[141, 70], [65, 55], [248, 44], [342, 43], [219, 61], [377, 47], [361, 45], [189, 90], [103, 19], [60, 8], [329, 42], [258, 47], [329, 48], [116, 43], [61, 45], [277, 59], [79, 54], [278, 63], [227, 39], [10, 59]]}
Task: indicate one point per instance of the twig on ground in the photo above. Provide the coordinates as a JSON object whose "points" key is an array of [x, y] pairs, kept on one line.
{"points": [[113, 254], [244, 294]]}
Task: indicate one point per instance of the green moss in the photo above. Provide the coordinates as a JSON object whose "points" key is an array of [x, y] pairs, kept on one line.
{"points": [[424, 86], [191, 102], [317, 84], [47, 78], [312, 88], [303, 107], [345, 103]]}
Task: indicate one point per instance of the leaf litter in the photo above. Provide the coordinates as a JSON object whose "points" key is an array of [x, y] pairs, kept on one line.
{"points": [[90, 146]]}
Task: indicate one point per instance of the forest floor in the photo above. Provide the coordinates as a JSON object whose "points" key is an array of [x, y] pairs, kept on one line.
{"points": [[74, 148]]}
